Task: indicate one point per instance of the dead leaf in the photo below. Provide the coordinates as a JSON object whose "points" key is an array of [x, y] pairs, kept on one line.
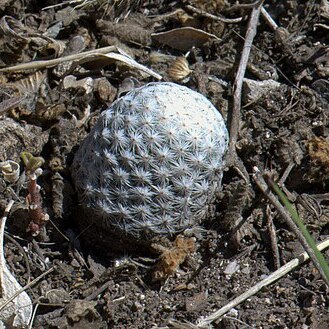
{"points": [[183, 38], [15, 30], [318, 151], [30, 84], [77, 310], [17, 137], [171, 258], [97, 61], [10, 103], [15, 313]]}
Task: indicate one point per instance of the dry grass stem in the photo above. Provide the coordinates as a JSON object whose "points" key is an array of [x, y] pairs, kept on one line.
{"points": [[32, 283], [269, 20], [258, 178], [282, 271], [44, 64], [213, 17], [236, 112]]}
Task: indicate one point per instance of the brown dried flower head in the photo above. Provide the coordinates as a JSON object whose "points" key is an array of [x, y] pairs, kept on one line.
{"points": [[179, 69], [172, 258]]}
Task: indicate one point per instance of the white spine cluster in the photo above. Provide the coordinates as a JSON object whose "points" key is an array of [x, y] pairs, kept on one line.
{"points": [[153, 162]]}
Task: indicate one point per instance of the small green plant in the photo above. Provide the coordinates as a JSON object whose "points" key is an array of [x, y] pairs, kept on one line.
{"points": [[31, 162]]}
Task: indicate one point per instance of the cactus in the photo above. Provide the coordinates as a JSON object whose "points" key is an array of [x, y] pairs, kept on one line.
{"points": [[153, 162]]}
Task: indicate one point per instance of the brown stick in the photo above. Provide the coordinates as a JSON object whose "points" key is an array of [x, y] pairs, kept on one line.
{"points": [[232, 157], [236, 112], [213, 17]]}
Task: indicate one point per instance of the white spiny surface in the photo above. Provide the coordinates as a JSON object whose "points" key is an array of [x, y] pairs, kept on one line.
{"points": [[153, 162]]}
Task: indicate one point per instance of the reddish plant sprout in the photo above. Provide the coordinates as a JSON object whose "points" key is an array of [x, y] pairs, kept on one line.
{"points": [[37, 215]]}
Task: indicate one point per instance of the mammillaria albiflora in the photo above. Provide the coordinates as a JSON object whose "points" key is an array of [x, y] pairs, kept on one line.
{"points": [[153, 162]]}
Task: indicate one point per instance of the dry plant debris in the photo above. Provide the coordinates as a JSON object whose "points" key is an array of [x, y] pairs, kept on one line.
{"points": [[179, 69], [184, 38], [10, 171], [62, 65], [171, 258]]}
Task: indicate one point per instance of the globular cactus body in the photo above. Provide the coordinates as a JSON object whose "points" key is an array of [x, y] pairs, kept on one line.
{"points": [[153, 162]]}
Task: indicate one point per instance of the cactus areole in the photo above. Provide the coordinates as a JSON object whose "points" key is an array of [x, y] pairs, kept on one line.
{"points": [[153, 162]]}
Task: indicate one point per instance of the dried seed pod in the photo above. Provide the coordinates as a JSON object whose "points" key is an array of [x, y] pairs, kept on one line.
{"points": [[153, 162], [179, 69], [10, 170]]}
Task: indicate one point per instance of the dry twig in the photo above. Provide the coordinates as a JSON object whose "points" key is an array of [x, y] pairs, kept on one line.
{"points": [[236, 112], [232, 158], [240, 6], [268, 19], [213, 17]]}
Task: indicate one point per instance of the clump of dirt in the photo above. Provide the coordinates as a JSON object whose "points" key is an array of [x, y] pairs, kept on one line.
{"points": [[47, 110]]}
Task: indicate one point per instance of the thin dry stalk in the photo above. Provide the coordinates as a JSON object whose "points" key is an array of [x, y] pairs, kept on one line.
{"points": [[273, 238], [4, 219], [7, 210], [258, 178], [232, 158], [32, 283], [213, 17], [268, 19], [236, 112]]}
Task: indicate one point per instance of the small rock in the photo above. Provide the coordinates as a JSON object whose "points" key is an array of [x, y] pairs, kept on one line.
{"points": [[253, 90], [197, 302], [232, 267]]}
